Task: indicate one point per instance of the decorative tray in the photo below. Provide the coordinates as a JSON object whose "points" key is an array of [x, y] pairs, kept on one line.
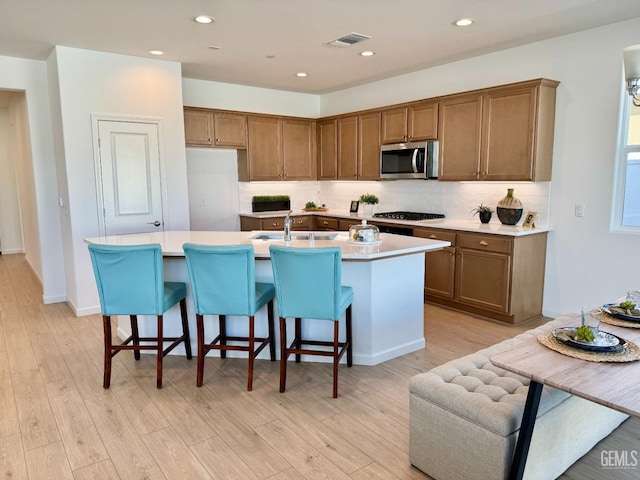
{"points": [[614, 310], [317, 209], [604, 342]]}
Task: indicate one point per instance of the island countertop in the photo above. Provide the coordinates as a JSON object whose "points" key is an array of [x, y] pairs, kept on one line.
{"points": [[171, 242]]}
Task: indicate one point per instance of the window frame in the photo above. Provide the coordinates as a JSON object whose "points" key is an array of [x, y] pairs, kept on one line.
{"points": [[621, 165]]}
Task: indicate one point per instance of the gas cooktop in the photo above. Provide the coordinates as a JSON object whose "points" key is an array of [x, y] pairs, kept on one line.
{"points": [[409, 215]]}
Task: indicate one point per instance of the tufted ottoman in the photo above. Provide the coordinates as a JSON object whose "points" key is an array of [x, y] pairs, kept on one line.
{"points": [[465, 416]]}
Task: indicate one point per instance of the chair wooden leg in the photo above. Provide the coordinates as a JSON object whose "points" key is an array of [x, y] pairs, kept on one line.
{"points": [[349, 338], [336, 332], [106, 323], [298, 338], [251, 353], [272, 333], [283, 354], [159, 354], [201, 352], [135, 335], [222, 322], [185, 328]]}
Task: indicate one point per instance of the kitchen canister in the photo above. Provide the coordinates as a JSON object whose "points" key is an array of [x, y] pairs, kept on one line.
{"points": [[509, 209]]}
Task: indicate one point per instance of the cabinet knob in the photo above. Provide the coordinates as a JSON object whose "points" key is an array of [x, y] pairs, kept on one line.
{"points": [[217, 139], [484, 243], [276, 224], [432, 236], [325, 222]]}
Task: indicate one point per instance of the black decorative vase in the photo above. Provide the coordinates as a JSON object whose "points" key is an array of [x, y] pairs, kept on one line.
{"points": [[509, 209], [485, 217]]}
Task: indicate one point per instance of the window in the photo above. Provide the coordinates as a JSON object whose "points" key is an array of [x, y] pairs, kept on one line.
{"points": [[626, 216]]}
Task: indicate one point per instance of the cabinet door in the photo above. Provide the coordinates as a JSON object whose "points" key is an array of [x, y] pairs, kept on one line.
{"points": [[250, 223], [326, 223], [439, 272], [230, 130], [304, 222], [198, 128], [423, 121], [264, 148], [327, 150], [298, 149], [394, 125], [274, 223], [459, 132], [369, 147], [483, 279], [348, 148], [508, 123]]}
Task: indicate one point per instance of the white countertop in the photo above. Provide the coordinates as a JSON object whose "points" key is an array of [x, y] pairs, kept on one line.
{"points": [[172, 241], [475, 226]]}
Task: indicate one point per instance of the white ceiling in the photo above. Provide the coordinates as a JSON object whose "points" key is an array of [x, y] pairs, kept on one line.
{"points": [[407, 35]]}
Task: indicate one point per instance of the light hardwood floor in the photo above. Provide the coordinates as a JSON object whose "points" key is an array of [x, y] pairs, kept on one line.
{"points": [[57, 422]]}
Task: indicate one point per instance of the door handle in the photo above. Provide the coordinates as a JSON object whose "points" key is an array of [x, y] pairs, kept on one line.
{"points": [[156, 223]]}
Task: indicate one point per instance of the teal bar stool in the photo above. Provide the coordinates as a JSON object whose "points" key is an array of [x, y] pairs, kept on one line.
{"points": [[130, 281], [308, 285], [223, 283]]}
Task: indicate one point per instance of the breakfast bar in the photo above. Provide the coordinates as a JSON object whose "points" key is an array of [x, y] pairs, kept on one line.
{"points": [[387, 279]]}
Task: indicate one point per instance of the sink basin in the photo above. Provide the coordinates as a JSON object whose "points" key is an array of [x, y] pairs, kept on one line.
{"points": [[295, 235]]}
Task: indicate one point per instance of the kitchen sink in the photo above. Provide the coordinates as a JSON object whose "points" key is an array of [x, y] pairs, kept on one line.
{"points": [[295, 235]]}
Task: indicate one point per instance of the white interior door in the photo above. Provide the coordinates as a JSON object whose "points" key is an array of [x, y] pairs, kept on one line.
{"points": [[130, 179]]}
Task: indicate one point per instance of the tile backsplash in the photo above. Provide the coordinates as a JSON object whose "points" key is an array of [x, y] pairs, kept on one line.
{"points": [[454, 199]]}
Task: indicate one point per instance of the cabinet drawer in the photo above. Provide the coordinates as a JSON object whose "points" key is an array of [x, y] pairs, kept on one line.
{"points": [[435, 235], [326, 223], [489, 243], [275, 223], [302, 223]]}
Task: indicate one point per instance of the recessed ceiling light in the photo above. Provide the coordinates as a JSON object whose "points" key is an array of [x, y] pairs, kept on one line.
{"points": [[464, 22], [204, 19], [156, 52], [367, 53], [271, 56], [214, 47], [301, 74]]}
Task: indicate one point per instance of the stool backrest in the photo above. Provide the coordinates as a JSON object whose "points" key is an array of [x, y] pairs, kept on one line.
{"points": [[130, 278], [222, 278], [307, 281]]}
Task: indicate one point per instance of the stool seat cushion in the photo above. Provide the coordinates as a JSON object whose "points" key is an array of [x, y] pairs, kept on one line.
{"points": [[173, 293], [264, 293]]}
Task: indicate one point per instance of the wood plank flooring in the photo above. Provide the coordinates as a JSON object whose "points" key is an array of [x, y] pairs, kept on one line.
{"points": [[57, 422]]}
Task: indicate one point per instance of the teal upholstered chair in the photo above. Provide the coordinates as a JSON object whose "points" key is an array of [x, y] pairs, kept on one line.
{"points": [[130, 281], [308, 285], [223, 283]]}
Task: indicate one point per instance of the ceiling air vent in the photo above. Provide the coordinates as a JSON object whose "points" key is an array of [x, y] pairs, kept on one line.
{"points": [[348, 40]]}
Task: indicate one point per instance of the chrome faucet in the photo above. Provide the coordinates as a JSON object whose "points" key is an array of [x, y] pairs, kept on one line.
{"points": [[287, 227]]}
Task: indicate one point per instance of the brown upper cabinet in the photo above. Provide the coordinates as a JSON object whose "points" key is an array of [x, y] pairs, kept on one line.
{"points": [[503, 133], [278, 149], [414, 122], [349, 147], [205, 128]]}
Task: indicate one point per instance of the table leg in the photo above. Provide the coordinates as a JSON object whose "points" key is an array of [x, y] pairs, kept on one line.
{"points": [[526, 431]]}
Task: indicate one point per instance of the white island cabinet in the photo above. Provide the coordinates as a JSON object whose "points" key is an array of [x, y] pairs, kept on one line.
{"points": [[387, 279]]}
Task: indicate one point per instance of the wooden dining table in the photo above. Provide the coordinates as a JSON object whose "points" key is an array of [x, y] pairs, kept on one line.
{"points": [[615, 385]]}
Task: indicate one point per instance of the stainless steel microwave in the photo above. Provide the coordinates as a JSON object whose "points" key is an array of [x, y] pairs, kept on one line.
{"points": [[409, 160]]}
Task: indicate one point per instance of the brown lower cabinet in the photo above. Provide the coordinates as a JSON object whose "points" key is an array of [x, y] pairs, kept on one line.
{"points": [[301, 222], [500, 277]]}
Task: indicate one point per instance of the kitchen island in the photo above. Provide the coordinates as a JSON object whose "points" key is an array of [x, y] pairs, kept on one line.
{"points": [[387, 279]]}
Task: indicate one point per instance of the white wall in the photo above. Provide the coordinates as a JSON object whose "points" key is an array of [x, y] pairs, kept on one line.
{"points": [[10, 224], [89, 82]]}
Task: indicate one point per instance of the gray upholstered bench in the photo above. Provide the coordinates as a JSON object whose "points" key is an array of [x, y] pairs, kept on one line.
{"points": [[465, 416]]}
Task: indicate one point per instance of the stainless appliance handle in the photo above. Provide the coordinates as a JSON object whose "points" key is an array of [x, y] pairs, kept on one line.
{"points": [[414, 160]]}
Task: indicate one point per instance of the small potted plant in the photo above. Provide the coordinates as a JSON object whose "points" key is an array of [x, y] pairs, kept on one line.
{"points": [[484, 212], [368, 200]]}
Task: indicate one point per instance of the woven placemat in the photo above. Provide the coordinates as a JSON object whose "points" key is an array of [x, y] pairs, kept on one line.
{"points": [[618, 322], [630, 354]]}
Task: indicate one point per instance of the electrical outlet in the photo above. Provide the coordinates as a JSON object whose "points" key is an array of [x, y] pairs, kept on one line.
{"points": [[579, 210]]}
